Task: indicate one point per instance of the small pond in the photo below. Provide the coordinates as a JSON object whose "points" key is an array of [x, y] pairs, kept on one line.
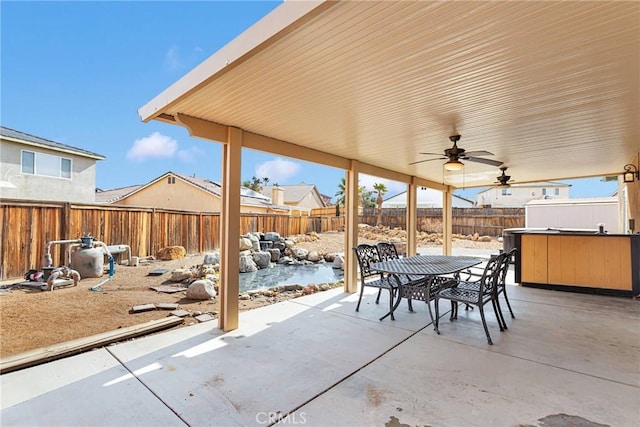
{"points": [[290, 275]]}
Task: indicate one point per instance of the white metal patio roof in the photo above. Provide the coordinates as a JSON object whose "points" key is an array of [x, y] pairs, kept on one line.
{"points": [[551, 88]]}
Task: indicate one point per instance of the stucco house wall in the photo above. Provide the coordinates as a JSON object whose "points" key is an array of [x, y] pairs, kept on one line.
{"points": [[177, 195], [517, 195], [425, 198], [181, 192], [79, 187]]}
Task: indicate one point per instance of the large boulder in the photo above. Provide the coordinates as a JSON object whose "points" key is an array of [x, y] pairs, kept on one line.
{"points": [[245, 244], [313, 256], [201, 290], [279, 245], [181, 274], [255, 241], [262, 259], [299, 253], [272, 236], [247, 264], [275, 254], [338, 262], [171, 252], [212, 258]]}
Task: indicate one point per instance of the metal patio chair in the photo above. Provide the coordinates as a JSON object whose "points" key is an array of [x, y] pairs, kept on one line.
{"points": [[367, 255], [475, 293], [387, 251]]}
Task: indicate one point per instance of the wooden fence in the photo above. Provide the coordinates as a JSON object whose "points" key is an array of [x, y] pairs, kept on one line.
{"points": [[484, 221], [26, 227]]}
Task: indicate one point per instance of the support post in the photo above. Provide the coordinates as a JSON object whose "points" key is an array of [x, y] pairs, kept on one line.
{"points": [[230, 231], [351, 228], [412, 219], [447, 221]]}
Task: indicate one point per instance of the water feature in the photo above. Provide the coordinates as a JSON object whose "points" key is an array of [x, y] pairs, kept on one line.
{"points": [[290, 275]]}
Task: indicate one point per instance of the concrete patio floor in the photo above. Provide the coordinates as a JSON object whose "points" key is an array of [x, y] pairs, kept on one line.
{"points": [[566, 358]]}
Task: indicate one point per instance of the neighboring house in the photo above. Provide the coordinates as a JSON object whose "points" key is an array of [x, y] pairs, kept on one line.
{"points": [[302, 196], [426, 198], [34, 168], [516, 195], [187, 193]]}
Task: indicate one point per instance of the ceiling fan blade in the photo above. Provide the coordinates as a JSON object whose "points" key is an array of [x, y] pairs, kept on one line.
{"points": [[433, 154], [478, 153], [485, 161], [422, 161]]}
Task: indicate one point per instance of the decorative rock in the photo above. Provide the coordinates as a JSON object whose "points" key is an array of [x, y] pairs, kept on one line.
{"points": [[330, 257], [245, 244], [247, 264], [181, 274], [255, 241], [279, 245], [299, 253], [338, 262], [262, 259], [289, 244], [212, 258], [201, 290], [275, 254], [207, 269], [167, 306], [272, 236], [171, 252], [285, 260], [244, 296], [485, 239], [313, 256]]}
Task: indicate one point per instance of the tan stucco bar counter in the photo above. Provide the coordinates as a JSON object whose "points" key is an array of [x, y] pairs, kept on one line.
{"points": [[585, 262]]}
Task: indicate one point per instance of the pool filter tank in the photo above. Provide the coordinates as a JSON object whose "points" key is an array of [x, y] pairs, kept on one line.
{"points": [[87, 260]]}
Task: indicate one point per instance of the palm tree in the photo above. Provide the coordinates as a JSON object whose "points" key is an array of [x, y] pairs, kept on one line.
{"points": [[364, 196], [341, 192], [381, 189], [256, 183]]}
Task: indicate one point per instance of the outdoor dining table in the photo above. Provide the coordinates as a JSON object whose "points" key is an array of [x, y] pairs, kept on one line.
{"points": [[431, 267]]}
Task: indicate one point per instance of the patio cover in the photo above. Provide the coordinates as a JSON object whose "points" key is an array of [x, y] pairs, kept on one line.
{"points": [[550, 88]]}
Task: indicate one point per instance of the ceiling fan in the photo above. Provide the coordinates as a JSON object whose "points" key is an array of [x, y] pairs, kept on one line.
{"points": [[455, 154], [503, 180]]}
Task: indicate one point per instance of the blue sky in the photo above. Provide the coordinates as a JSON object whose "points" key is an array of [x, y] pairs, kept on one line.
{"points": [[77, 72]]}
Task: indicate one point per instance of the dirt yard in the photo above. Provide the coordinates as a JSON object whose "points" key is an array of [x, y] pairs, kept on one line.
{"points": [[31, 318]]}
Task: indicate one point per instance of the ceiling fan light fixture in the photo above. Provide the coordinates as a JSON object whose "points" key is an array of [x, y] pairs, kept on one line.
{"points": [[453, 165]]}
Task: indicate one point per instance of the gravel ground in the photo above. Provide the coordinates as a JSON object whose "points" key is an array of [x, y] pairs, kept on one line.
{"points": [[31, 318]]}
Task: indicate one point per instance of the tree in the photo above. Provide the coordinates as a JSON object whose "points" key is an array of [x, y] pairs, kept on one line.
{"points": [[381, 189], [364, 197], [256, 183], [340, 194]]}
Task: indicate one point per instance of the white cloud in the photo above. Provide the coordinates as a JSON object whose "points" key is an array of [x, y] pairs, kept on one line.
{"points": [[172, 59], [153, 146], [277, 170], [175, 59]]}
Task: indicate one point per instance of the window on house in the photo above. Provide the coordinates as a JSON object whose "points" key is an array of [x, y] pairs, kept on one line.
{"points": [[556, 191], [171, 180], [45, 164], [28, 162], [506, 191]]}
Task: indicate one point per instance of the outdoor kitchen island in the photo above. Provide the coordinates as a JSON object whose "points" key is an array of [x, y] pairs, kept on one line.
{"points": [[578, 261]]}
